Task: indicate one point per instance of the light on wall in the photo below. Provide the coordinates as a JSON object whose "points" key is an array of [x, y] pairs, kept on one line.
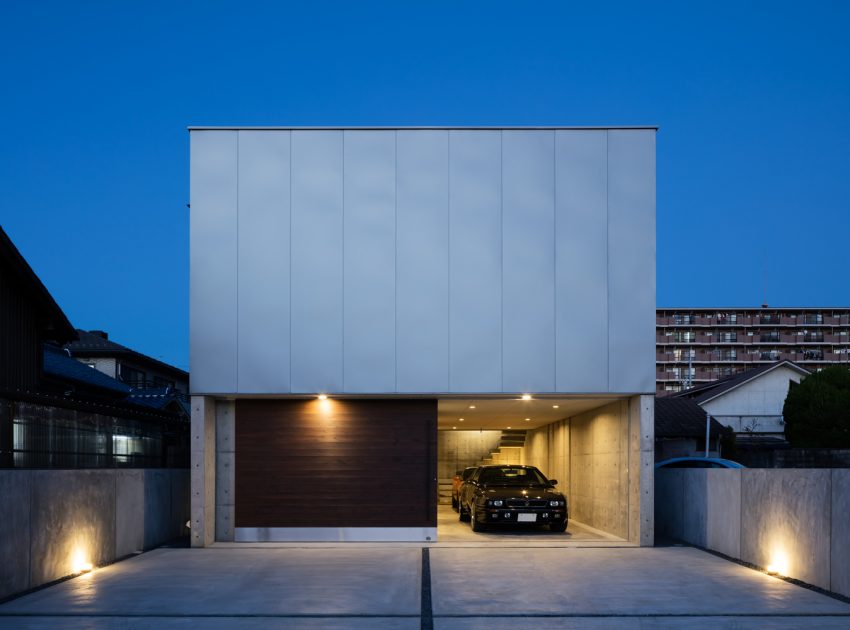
{"points": [[80, 562]]}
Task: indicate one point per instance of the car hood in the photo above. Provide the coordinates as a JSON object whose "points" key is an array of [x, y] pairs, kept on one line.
{"points": [[521, 492]]}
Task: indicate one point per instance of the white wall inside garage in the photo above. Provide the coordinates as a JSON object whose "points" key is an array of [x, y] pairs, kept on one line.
{"points": [[422, 261]]}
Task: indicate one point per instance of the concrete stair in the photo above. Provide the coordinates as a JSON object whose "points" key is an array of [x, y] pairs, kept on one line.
{"points": [[444, 491]]}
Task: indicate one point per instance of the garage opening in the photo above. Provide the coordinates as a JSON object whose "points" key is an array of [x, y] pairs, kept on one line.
{"points": [[583, 443]]}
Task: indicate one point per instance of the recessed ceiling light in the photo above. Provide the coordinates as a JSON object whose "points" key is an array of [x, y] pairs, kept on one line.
{"points": [[554, 406], [454, 427], [526, 396], [472, 406], [460, 419], [509, 427], [527, 419], [323, 396]]}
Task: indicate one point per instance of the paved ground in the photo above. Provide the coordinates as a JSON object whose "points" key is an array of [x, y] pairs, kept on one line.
{"points": [[357, 586]]}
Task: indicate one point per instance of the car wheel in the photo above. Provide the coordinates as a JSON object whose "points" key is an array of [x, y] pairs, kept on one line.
{"points": [[454, 504], [476, 526], [558, 527], [462, 515]]}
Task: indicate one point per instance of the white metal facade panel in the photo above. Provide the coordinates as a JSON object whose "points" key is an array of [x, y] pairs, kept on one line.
{"points": [[263, 282], [316, 247], [528, 276], [475, 255], [212, 293], [369, 252], [422, 261], [581, 261], [631, 262]]}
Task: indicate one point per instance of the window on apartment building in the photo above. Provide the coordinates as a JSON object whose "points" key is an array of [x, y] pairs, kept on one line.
{"points": [[813, 335], [772, 336], [671, 387], [769, 355], [769, 318], [727, 354], [813, 354], [727, 336], [132, 377], [727, 318], [683, 354], [679, 318], [684, 336], [683, 372], [813, 318]]}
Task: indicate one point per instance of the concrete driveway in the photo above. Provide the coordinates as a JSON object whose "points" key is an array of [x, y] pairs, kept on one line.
{"points": [[383, 586]]}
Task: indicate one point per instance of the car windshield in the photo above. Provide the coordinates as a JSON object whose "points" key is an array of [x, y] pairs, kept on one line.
{"points": [[511, 476]]}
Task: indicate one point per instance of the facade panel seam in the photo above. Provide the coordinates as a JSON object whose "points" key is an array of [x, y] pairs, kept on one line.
{"points": [[291, 139], [449, 257], [555, 255], [238, 133], [395, 262], [342, 362], [502, 260], [608, 362]]}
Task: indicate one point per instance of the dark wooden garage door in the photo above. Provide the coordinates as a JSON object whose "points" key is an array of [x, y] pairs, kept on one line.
{"points": [[336, 463]]}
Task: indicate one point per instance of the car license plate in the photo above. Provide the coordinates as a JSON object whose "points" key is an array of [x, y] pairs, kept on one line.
{"points": [[527, 518]]}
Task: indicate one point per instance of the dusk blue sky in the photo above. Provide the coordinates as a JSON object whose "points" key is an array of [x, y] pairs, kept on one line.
{"points": [[752, 100]]}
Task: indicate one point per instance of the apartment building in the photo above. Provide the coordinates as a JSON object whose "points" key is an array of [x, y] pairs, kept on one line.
{"points": [[698, 345]]}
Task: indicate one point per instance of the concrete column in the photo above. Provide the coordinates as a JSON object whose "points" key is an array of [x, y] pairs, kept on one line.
{"points": [[225, 473], [203, 471], [642, 470]]}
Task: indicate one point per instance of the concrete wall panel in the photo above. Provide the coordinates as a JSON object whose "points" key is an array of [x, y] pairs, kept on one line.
{"points": [[54, 520], [695, 507], [73, 513], [130, 512], [723, 526], [369, 251], [581, 261], [15, 531], [157, 507], [475, 254], [786, 517], [840, 543], [528, 268], [263, 267], [422, 262], [317, 260], [213, 262], [669, 503], [631, 260]]}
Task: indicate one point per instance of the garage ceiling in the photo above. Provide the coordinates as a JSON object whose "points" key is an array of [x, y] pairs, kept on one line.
{"points": [[502, 413]]}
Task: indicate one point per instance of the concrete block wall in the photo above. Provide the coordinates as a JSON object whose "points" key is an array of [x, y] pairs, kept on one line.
{"points": [[792, 519], [54, 519]]}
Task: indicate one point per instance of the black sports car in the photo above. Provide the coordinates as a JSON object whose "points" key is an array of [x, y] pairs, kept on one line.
{"points": [[512, 495]]}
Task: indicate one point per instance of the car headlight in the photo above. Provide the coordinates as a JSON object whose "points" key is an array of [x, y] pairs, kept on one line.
{"points": [[555, 503], [494, 502]]}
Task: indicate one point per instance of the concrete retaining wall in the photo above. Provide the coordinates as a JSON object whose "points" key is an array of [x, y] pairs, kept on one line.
{"points": [[53, 520], [793, 519]]}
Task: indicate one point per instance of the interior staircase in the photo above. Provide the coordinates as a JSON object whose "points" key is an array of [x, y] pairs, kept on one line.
{"points": [[509, 451]]}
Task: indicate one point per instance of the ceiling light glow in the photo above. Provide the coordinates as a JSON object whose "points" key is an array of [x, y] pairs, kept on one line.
{"points": [[526, 396]]}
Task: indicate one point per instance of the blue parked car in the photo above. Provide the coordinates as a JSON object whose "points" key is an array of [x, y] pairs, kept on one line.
{"points": [[698, 462]]}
